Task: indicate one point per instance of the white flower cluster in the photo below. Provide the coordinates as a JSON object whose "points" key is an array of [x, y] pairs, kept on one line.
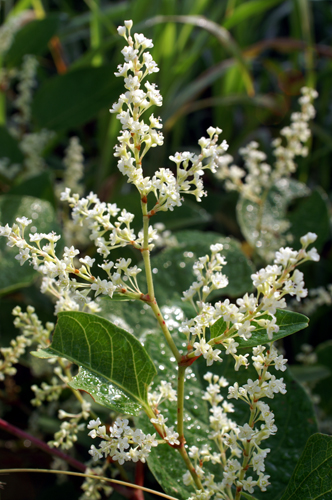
{"points": [[165, 392], [92, 487], [32, 146], [97, 216], [11, 26], [259, 175], [47, 391], [250, 312], [7, 170], [137, 137], [57, 272], [317, 297], [25, 86], [235, 442], [32, 331], [122, 443], [74, 167], [67, 435]]}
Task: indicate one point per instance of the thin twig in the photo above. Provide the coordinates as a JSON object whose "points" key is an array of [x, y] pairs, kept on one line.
{"points": [[92, 476], [40, 444]]}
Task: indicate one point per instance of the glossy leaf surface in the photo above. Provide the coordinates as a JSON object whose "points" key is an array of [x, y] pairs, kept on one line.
{"points": [[108, 356]]}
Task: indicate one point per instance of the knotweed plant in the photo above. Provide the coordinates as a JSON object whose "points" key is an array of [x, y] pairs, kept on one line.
{"points": [[115, 368]]}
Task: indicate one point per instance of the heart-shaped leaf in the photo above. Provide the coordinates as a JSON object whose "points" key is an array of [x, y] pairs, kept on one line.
{"points": [[115, 368]]}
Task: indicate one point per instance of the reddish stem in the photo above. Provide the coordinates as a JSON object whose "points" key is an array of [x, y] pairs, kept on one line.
{"points": [[126, 492]]}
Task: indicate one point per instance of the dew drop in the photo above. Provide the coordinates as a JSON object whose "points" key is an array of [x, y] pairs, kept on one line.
{"points": [[154, 270], [250, 208], [161, 367]]}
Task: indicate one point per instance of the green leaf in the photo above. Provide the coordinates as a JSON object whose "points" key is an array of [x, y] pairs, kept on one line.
{"points": [[311, 214], [310, 373], [104, 393], [323, 387], [40, 186], [195, 412], [263, 226], [248, 9], [294, 417], [312, 478], [289, 322], [9, 147], [12, 274], [115, 368], [32, 39], [173, 266], [61, 103]]}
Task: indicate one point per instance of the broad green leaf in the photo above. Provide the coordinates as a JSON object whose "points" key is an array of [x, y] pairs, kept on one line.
{"points": [[311, 214], [164, 462], [323, 387], [66, 101], [32, 39], [9, 147], [289, 322], [40, 186], [294, 417], [12, 274], [108, 356], [104, 393], [248, 9], [264, 226], [312, 478], [310, 373], [173, 272]]}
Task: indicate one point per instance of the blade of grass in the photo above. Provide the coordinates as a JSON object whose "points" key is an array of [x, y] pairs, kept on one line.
{"points": [[222, 35], [305, 21], [247, 10]]}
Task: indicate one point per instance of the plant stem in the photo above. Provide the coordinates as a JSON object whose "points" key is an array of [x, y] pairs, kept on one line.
{"points": [[155, 308], [190, 467], [146, 251], [181, 379], [40, 444], [92, 476]]}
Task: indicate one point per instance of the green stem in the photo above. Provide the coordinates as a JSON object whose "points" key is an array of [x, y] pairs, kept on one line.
{"points": [[190, 467], [181, 379], [167, 335], [146, 251]]}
